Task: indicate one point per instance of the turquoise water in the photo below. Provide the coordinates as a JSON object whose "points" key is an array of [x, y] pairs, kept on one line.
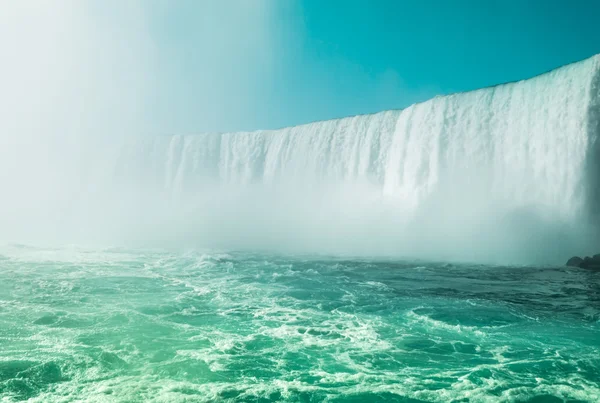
{"points": [[128, 326]]}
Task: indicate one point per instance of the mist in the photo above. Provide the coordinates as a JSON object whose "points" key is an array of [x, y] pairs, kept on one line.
{"points": [[96, 95], [81, 78]]}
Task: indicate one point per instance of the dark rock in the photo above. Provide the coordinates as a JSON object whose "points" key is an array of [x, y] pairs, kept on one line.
{"points": [[575, 261], [590, 263]]}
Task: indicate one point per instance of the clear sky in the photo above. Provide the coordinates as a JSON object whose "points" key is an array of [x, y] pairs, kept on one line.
{"points": [[187, 66]]}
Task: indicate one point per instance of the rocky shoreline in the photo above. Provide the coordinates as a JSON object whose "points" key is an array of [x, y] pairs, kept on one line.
{"points": [[591, 263]]}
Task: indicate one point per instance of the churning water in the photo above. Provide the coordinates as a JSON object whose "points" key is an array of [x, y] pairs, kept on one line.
{"points": [[509, 174], [129, 326]]}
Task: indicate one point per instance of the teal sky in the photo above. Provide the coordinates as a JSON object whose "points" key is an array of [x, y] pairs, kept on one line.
{"points": [[315, 59], [187, 66]]}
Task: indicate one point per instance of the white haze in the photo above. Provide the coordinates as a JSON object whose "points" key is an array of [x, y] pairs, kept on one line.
{"points": [[86, 89], [79, 77], [73, 80]]}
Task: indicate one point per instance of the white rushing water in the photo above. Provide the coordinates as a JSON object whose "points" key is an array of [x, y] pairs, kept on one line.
{"points": [[508, 172]]}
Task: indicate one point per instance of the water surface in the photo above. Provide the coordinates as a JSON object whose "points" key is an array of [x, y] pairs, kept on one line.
{"points": [[126, 326]]}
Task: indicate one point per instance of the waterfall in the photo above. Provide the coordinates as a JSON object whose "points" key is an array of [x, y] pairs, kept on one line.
{"points": [[485, 172]]}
